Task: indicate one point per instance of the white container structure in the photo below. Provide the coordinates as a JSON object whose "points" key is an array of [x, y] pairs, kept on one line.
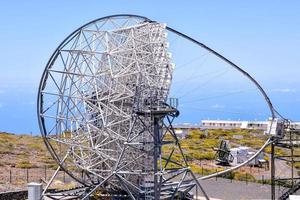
{"points": [[34, 191], [242, 154]]}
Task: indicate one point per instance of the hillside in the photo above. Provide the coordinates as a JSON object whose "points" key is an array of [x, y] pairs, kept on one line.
{"points": [[24, 158], [24, 151]]}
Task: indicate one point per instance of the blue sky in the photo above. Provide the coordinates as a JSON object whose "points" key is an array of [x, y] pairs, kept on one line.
{"points": [[262, 36]]}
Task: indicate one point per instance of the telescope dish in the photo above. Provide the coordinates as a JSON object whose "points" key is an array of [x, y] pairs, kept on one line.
{"points": [[103, 106]]}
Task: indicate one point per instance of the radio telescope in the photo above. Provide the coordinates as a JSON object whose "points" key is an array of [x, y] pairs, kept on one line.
{"points": [[103, 96], [105, 113]]}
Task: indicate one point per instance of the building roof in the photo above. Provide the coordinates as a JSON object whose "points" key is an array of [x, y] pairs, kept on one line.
{"points": [[187, 126]]}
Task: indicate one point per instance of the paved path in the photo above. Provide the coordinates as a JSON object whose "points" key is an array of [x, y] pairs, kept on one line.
{"points": [[237, 190]]}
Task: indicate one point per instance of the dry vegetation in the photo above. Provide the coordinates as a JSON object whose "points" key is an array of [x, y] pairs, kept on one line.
{"points": [[198, 148], [22, 154], [23, 151]]}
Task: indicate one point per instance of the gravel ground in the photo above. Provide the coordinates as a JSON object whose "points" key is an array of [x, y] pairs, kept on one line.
{"points": [[216, 189], [236, 190]]}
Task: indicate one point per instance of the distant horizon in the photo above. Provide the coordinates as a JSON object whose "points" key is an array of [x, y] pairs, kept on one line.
{"points": [[175, 124], [261, 37]]}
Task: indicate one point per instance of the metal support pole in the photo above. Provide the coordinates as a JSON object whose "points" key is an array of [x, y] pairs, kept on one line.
{"points": [[199, 185], [27, 175], [54, 175], [292, 158], [10, 178], [51, 180], [156, 138], [273, 171], [45, 172]]}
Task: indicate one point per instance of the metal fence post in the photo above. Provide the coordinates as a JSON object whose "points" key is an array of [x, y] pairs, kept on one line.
{"points": [[27, 178], [278, 188], [45, 173], [10, 176]]}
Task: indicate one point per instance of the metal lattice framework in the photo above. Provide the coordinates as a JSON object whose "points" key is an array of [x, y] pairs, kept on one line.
{"points": [[97, 103], [104, 114]]}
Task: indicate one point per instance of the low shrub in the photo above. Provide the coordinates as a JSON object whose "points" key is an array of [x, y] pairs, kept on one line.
{"points": [[244, 177], [203, 170], [24, 164], [200, 155]]}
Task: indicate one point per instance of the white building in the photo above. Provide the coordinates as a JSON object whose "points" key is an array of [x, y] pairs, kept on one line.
{"points": [[181, 130], [295, 125], [231, 124]]}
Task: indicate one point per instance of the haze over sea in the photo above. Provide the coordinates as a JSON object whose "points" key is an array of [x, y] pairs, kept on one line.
{"points": [[262, 36]]}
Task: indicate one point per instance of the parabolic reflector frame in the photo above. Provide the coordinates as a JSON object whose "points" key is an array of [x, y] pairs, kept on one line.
{"points": [[103, 108], [96, 99]]}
